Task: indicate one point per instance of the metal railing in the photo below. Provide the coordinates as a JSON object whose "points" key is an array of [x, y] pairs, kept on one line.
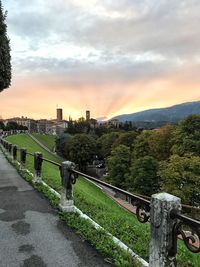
{"points": [[181, 226]]}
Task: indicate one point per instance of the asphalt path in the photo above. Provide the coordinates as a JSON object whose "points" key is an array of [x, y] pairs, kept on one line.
{"points": [[31, 233]]}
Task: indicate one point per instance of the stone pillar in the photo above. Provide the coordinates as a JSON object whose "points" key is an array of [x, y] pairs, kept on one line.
{"points": [[162, 229], [37, 178], [10, 146], [67, 201], [23, 158], [14, 152]]}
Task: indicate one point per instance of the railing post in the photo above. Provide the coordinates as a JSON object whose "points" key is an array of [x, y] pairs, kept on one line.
{"points": [[67, 201], [23, 158], [37, 178], [14, 153], [10, 149], [162, 229]]}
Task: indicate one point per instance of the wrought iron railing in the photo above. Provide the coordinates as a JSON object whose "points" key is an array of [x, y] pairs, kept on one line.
{"points": [[184, 227]]}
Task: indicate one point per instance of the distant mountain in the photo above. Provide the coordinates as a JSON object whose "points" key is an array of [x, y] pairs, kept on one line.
{"points": [[170, 114]]}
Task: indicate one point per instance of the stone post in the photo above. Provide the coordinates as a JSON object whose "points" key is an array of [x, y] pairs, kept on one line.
{"points": [[37, 178], [67, 201], [10, 149], [162, 229], [22, 158], [14, 153]]}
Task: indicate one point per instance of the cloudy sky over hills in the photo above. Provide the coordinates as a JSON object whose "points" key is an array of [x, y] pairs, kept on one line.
{"points": [[111, 57]]}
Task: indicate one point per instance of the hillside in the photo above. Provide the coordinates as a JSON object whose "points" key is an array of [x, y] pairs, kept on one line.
{"points": [[170, 114]]}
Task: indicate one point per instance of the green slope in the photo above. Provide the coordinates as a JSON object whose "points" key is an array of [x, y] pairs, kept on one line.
{"points": [[46, 139], [92, 201]]}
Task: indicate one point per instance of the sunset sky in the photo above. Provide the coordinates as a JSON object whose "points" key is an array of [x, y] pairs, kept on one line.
{"points": [[109, 56]]}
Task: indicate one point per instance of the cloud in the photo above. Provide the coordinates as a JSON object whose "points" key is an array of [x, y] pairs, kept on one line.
{"points": [[111, 52]]}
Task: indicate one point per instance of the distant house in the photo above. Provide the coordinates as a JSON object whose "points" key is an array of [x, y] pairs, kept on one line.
{"points": [[24, 121]]}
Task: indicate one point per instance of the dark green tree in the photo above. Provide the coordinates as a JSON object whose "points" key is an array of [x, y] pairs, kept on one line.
{"points": [[2, 126], [180, 176], [105, 143], [187, 136], [62, 142], [82, 149], [143, 177], [5, 65], [118, 165], [141, 144], [126, 139], [160, 142]]}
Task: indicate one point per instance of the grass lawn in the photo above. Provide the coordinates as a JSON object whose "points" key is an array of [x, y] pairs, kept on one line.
{"points": [[93, 202], [46, 139]]}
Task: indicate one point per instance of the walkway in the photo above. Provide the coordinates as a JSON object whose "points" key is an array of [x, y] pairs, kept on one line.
{"points": [[31, 234]]}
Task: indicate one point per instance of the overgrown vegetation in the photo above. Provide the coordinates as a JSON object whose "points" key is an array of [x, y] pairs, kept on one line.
{"points": [[5, 62], [92, 201]]}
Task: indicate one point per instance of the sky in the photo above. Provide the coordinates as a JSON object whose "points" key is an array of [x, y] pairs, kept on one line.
{"points": [[107, 56]]}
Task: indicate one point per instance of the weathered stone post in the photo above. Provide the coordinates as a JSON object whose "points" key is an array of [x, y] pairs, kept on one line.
{"points": [[10, 149], [37, 178], [7, 148], [14, 153], [162, 229], [23, 158], [67, 201]]}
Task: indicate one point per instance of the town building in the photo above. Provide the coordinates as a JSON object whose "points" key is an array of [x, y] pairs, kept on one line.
{"points": [[59, 113], [87, 115]]}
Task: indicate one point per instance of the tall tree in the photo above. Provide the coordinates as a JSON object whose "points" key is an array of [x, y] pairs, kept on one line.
{"points": [[161, 141], [105, 143], [187, 136], [118, 165], [5, 65], [126, 139], [141, 144], [180, 176], [143, 176], [82, 149]]}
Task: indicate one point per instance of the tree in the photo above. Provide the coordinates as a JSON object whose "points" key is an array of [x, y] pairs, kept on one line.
{"points": [[187, 136], [105, 143], [118, 165], [181, 177], [5, 65], [2, 126], [82, 148], [160, 142], [125, 139], [62, 142], [141, 144], [143, 176]]}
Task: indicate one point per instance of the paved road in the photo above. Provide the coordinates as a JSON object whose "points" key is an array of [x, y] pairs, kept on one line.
{"points": [[31, 234]]}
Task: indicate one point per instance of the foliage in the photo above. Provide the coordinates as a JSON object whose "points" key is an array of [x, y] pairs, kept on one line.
{"points": [[181, 177], [126, 139], [118, 165], [187, 136], [61, 144], [81, 126], [2, 126], [141, 144], [5, 65], [12, 125], [82, 149], [160, 142], [143, 177], [105, 143]]}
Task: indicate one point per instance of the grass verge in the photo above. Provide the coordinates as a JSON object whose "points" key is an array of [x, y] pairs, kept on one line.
{"points": [[46, 139]]}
